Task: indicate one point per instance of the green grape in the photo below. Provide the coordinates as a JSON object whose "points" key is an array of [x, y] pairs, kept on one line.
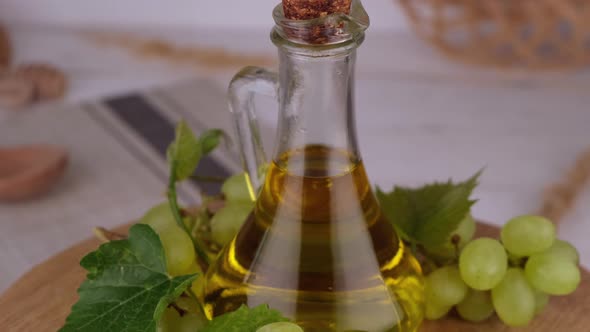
{"points": [[192, 323], [198, 285], [179, 250], [476, 307], [565, 250], [188, 305], [236, 188], [552, 274], [178, 246], [193, 269], [159, 218], [226, 223], [528, 235], [541, 301], [436, 311], [280, 327], [464, 232], [483, 263], [514, 299], [445, 286], [172, 321], [169, 320]]}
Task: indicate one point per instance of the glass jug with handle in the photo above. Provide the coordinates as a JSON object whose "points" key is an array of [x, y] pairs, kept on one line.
{"points": [[316, 246]]}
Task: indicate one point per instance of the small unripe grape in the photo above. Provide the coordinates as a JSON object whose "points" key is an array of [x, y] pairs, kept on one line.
{"points": [[280, 327], [445, 287], [179, 250], [552, 274], [565, 250], [514, 299], [528, 235], [483, 263], [476, 307], [435, 311], [237, 188]]}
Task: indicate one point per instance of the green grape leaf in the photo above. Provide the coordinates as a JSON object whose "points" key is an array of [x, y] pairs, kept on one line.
{"points": [[428, 216], [127, 288], [185, 153], [245, 320], [211, 139]]}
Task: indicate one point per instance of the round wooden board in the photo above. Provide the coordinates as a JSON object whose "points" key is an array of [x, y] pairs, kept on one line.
{"points": [[41, 299]]}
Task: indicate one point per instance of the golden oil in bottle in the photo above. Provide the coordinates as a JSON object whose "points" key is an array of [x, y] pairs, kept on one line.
{"points": [[318, 249]]}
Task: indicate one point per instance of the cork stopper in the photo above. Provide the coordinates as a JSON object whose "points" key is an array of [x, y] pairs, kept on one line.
{"points": [[320, 22], [310, 9]]}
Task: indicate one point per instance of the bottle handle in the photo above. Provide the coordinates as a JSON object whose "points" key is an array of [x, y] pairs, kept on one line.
{"points": [[248, 83]]}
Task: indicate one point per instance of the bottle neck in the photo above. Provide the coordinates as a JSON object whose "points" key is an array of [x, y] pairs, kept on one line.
{"points": [[317, 103]]}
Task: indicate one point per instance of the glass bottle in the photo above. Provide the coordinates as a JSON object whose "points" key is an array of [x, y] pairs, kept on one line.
{"points": [[316, 247]]}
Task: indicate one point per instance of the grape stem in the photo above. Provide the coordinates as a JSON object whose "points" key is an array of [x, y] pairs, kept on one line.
{"points": [[427, 263], [104, 235], [173, 200], [455, 240], [202, 259], [517, 261], [180, 311]]}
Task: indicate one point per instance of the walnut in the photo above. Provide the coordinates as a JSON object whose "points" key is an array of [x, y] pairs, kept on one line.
{"points": [[48, 81], [5, 49], [15, 91]]}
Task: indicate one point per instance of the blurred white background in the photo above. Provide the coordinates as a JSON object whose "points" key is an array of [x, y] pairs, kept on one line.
{"points": [[199, 13]]}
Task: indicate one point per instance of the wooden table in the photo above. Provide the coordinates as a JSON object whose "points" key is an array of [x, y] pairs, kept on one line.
{"points": [[40, 301]]}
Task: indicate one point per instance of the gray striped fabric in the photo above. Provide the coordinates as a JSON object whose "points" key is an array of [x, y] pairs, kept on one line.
{"points": [[117, 167]]}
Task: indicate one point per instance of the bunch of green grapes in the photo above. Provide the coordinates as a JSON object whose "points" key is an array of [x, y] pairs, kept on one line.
{"points": [[513, 277]]}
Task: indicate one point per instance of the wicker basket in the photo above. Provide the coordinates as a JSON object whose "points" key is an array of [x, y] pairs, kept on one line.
{"points": [[506, 33]]}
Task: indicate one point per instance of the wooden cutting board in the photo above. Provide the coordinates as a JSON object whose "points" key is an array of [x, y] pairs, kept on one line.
{"points": [[41, 300]]}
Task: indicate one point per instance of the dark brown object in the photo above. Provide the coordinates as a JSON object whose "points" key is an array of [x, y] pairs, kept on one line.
{"points": [[15, 91], [41, 300], [49, 82], [310, 9], [5, 49], [29, 171]]}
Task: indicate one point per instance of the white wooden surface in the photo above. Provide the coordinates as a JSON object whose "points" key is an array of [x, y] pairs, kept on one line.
{"points": [[238, 14], [420, 117]]}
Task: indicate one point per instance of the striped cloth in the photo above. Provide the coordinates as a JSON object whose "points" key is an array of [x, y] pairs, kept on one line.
{"points": [[117, 169]]}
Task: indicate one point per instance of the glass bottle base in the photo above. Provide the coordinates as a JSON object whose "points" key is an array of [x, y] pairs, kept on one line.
{"points": [[318, 249]]}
